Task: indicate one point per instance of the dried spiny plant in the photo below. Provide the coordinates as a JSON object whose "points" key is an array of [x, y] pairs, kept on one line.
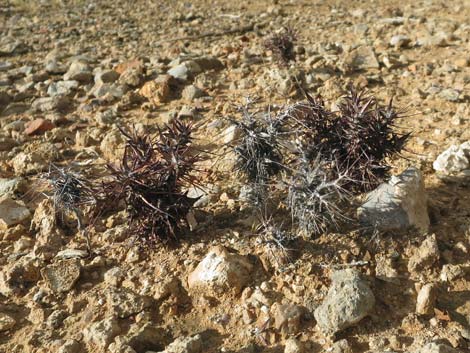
{"points": [[315, 195], [70, 192], [313, 124], [278, 243], [366, 134], [358, 138], [282, 46], [151, 179], [258, 149]]}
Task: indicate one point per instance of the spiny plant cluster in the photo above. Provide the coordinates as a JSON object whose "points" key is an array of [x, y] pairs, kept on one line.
{"points": [[357, 139], [151, 179], [335, 153], [257, 150], [282, 46], [70, 192]]}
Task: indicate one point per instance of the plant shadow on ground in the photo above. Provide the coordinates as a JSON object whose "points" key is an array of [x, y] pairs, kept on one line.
{"points": [[449, 212]]}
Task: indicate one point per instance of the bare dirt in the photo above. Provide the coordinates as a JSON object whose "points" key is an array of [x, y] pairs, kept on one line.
{"points": [[428, 74]]}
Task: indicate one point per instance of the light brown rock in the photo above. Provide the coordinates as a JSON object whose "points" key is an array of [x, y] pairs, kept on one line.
{"points": [[425, 256], [287, 318], [221, 271], [426, 299], [12, 212], [159, 90], [62, 275], [6, 322]]}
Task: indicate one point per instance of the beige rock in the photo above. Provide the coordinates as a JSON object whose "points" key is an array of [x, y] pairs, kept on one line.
{"points": [[36, 160], [48, 235], [159, 90], [425, 256], [426, 299], [342, 346], [220, 271], [362, 58], [12, 212], [17, 278], [102, 333], [438, 348], [62, 275], [6, 322], [111, 145], [293, 346], [287, 318], [123, 302], [131, 64]]}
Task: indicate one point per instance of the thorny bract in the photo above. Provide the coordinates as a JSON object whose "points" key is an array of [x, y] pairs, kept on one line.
{"points": [[278, 243]]}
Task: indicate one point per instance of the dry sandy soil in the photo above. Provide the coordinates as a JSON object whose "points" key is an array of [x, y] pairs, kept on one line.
{"points": [[414, 51]]}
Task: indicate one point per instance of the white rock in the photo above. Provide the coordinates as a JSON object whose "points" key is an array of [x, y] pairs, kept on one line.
{"points": [[61, 88], [114, 276], [293, 346], [398, 204], [9, 186], [72, 254], [399, 41], [185, 70], [451, 272], [220, 271], [185, 345], [454, 160], [79, 71], [231, 134]]}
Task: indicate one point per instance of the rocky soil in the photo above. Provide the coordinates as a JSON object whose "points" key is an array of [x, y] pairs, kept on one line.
{"points": [[71, 72]]}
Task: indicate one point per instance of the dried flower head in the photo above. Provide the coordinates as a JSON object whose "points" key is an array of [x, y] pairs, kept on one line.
{"points": [[282, 45]]}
